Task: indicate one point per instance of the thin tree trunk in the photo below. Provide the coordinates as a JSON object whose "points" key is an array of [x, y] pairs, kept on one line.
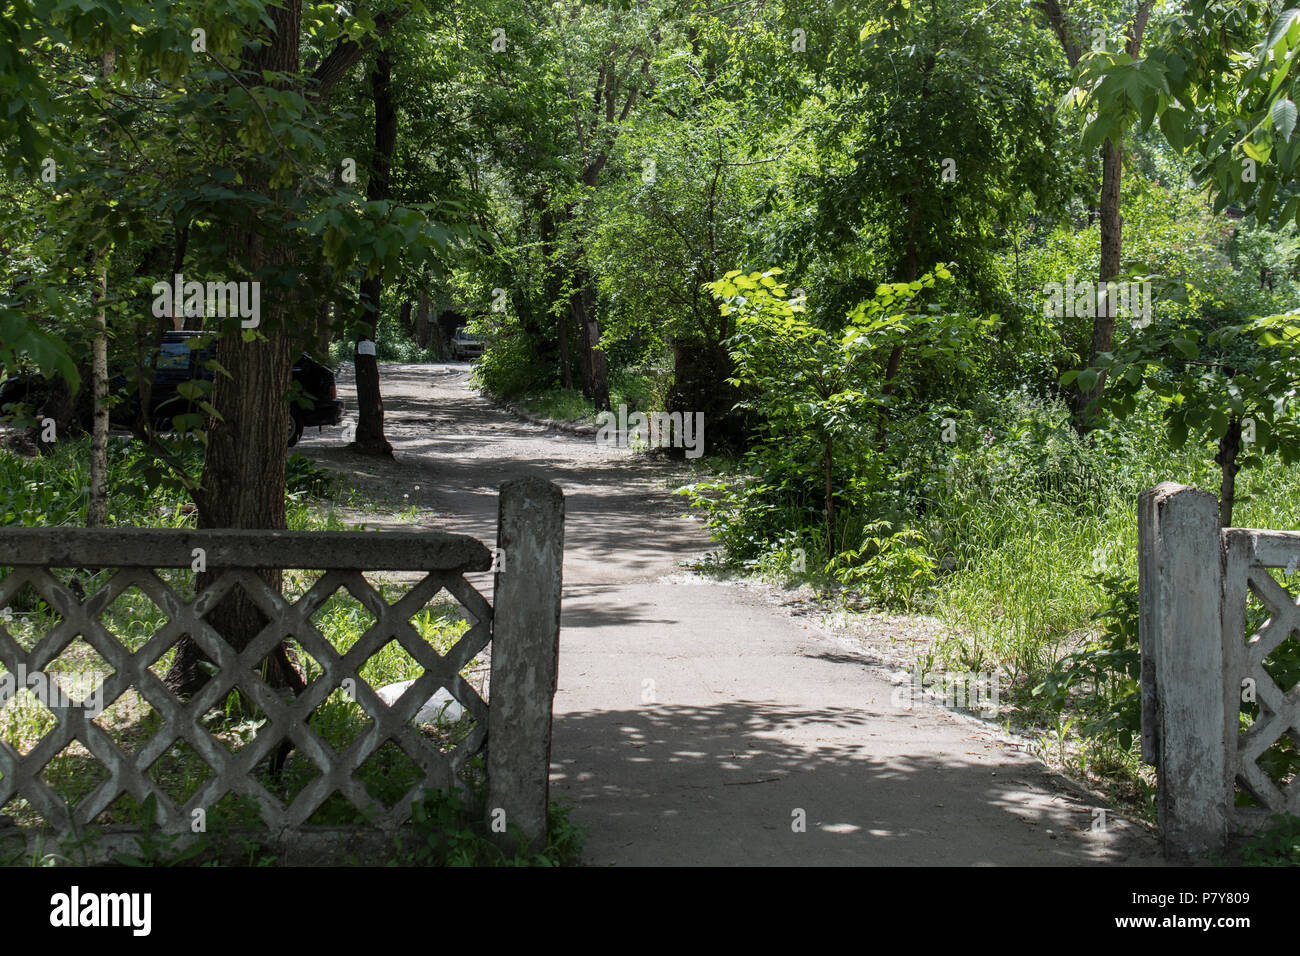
{"points": [[1083, 404], [594, 367], [827, 462], [1226, 459], [546, 327], [422, 321], [566, 364], [324, 330], [437, 340], [911, 266], [370, 438], [97, 514], [1103, 324]]}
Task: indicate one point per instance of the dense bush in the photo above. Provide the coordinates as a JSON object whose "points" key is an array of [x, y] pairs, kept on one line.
{"points": [[510, 369]]}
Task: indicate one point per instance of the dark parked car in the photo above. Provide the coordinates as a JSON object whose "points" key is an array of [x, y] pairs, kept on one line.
{"points": [[179, 363]]}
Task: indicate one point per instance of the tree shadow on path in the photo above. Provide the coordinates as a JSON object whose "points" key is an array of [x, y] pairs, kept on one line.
{"points": [[724, 784]]}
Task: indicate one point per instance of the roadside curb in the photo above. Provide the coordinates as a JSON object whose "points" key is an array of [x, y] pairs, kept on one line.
{"points": [[518, 411]]}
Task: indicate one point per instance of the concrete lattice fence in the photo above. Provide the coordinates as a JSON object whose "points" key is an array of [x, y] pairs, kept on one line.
{"points": [[1203, 674], [513, 726]]}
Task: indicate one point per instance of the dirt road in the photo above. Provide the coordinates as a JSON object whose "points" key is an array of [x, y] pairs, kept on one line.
{"points": [[696, 721]]}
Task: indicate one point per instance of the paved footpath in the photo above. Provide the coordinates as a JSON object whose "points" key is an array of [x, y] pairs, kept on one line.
{"points": [[696, 722]]}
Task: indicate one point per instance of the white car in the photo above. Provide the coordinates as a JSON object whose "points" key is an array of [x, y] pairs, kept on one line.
{"points": [[466, 345]]}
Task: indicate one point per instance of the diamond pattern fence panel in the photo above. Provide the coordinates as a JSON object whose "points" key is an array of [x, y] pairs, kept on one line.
{"points": [[521, 631]]}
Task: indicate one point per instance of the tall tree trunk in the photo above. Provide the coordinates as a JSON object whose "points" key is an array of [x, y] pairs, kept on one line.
{"points": [[1103, 324], [552, 282], [595, 371], [1082, 404], [911, 267], [370, 438], [243, 470], [566, 364], [324, 326], [97, 515], [911, 264], [828, 462]]}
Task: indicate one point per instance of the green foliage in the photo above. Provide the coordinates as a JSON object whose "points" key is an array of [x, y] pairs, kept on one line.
{"points": [[446, 831], [894, 567], [23, 340], [1279, 845], [834, 387], [1102, 680], [304, 478], [819, 402], [1219, 77], [155, 848], [639, 392], [913, 87], [751, 511], [51, 490], [1234, 385], [509, 369], [392, 344]]}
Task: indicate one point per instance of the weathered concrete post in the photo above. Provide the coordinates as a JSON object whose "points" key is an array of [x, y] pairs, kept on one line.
{"points": [[1180, 583], [525, 659]]}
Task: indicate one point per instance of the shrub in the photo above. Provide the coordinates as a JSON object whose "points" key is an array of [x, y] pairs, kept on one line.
{"points": [[509, 368], [895, 568], [1279, 845]]}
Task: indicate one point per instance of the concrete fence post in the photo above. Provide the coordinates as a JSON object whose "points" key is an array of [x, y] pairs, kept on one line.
{"points": [[1180, 632], [525, 659]]}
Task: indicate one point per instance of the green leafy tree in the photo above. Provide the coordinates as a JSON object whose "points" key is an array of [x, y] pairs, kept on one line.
{"points": [[937, 129], [1232, 387], [818, 394]]}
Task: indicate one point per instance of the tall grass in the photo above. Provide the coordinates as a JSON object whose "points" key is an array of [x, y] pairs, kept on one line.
{"points": [[1022, 592]]}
